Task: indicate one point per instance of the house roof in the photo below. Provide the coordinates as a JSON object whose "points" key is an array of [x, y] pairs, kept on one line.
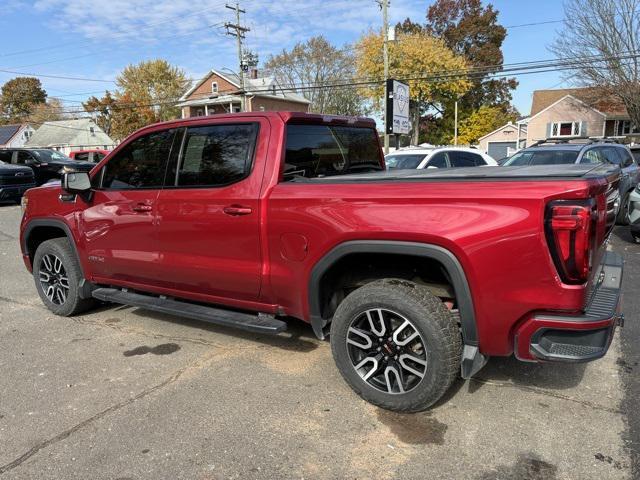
{"points": [[7, 132], [523, 129], [593, 97], [69, 132], [262, 87]]}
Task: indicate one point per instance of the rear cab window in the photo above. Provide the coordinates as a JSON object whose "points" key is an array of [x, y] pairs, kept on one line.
{"points": [[314, 151]]}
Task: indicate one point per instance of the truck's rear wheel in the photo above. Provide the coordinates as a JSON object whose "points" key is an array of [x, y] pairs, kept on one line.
{"points": [[396, 345], [57, 276]]}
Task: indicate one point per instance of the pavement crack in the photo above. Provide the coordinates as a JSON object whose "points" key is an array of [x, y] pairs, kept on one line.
{"points": [[548, 393], [6, 236], [18, 302], [67, 433]]}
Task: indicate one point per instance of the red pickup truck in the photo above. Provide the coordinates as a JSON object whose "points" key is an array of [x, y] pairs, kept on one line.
{"points": [[246, 220]]}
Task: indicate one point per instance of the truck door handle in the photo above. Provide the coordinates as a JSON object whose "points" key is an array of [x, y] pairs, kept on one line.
{"points": [[142, 207], [237, 210]]}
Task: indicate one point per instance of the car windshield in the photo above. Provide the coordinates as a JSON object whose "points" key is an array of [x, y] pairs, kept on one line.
{"points": [[542, 157], [50, 155], [404, 161]]}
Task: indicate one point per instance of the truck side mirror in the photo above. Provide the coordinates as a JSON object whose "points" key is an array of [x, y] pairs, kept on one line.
{"points": [[77, 183]]}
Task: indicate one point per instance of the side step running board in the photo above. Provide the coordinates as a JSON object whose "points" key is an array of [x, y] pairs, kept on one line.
{"points": [[261, 323]]}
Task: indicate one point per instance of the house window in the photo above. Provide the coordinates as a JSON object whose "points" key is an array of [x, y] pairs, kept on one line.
{"points": [[623, 128], [214, 87], [565, 129]]}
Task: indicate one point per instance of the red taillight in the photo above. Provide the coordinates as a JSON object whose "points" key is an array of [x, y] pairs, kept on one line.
{"points": [[570, 232]]}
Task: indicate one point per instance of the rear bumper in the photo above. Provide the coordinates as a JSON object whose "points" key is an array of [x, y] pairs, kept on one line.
{"points": [[580, 338], [14, 191]]}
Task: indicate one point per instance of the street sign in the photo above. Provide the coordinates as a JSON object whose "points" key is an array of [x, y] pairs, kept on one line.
{"points": [[398, 108]]}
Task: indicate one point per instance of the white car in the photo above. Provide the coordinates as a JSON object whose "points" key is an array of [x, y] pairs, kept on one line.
{"points": [[437, 157]]}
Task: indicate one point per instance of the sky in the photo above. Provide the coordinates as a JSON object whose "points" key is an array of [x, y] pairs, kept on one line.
{"points": [[96, 40]]}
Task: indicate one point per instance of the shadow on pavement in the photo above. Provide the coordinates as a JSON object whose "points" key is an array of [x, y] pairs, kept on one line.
{"points": [[624, 234], [298, 338], [551, 376]]}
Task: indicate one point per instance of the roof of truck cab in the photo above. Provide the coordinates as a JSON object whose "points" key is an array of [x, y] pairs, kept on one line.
{"points": [[285, 116]]}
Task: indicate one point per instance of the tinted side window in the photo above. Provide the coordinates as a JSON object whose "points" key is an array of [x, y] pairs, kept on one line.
{"points": [[592, 156], [611, 155], [5, 156], [625, 155], [439, 160], [216, 155], [465, 159], [24, 158], [141, 163]]}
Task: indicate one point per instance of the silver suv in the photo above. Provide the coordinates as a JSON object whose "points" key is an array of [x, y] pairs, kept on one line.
{"points": [[551, 152]]}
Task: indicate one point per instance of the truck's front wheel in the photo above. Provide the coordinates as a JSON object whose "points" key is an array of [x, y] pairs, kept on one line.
{"points": [[396, 345], [57, 275]]}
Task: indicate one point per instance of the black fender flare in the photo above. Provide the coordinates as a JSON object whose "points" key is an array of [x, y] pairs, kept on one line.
{"points": [[85, 286], [449, 261]]}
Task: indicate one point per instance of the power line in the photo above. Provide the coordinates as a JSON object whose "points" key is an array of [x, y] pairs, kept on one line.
{"points": [[536, 68], [516, 69], [103, 37]]}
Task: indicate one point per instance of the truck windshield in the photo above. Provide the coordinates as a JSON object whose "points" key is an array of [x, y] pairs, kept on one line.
{"points": [[327, 150], [542, 157]]}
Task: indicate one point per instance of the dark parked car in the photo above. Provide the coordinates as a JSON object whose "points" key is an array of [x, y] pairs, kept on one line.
{"points": [[585, 151], [14, 181], [46, 164]]}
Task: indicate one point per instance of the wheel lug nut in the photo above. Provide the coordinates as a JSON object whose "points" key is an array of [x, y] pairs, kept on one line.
{"points": [[390, 338], [379, 348], [396, 357], [398, 347], [386, 358]]}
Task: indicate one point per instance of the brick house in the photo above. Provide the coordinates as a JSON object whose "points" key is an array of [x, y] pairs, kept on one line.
{"points": [[221, 92], [577, 112]]}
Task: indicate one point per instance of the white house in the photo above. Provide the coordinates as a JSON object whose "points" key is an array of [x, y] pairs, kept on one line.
{"points": [[14, 136], [68, 135]]}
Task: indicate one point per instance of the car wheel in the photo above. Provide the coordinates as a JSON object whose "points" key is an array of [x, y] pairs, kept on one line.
{"points": [[57, 275], [623, 213], [396, 345]]}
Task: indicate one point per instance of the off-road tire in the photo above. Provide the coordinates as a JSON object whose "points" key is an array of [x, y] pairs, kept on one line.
{"points": [[428, 315], [61, 249]]}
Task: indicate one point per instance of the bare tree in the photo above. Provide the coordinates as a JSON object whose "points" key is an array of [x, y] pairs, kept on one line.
{"points": [[604, 37], [316, 64]]}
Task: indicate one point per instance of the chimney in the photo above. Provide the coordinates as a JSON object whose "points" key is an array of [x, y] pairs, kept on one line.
{"points": [[253, 73]]}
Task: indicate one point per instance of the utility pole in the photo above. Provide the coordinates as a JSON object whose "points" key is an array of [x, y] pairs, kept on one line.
{"points": [[384, 5], [238, 31], [455, 121]]}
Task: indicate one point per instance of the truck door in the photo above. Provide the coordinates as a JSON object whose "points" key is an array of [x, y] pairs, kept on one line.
{"points": [[119, 228], [209, 210]]}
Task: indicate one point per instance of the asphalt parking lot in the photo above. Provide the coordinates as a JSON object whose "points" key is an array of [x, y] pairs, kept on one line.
{"points": [[123, 393]]}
